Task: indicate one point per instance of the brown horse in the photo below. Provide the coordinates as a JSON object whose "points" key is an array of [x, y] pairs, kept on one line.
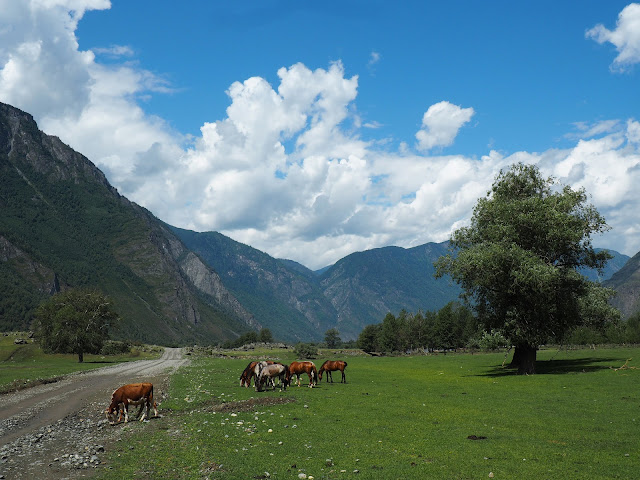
{"points": [[248, 374], [331, 366], [298, 368]]}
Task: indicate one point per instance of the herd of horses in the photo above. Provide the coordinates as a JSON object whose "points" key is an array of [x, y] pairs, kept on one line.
{"points": [[264, 373]]}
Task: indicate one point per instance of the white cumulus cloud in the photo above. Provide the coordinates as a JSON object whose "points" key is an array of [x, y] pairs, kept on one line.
{"points": [[285, 170], [625, 37], [440, 125]]}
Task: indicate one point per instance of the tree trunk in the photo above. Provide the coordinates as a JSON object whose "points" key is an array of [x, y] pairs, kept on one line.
{"points": [[524, 357], [517, 353], [80, 357]]}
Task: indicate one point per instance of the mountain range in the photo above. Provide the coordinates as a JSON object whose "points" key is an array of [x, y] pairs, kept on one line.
{"points": [[62, 225]]}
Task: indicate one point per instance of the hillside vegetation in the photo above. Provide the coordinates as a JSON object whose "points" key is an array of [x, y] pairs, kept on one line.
{"points": [[298, 304], [62, 226], [626, 283]]}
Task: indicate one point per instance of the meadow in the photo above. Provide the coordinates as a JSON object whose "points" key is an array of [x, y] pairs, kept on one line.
{"points": [[22, 366], [454, 416]]}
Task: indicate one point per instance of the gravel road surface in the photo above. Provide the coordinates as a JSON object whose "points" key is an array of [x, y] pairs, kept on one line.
{"points": [[59, 430]]}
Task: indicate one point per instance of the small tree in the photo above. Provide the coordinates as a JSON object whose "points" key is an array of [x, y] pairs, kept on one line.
{"points": [[306, 350], [368, 340], [332, 338], [265, 336], [75, 321]]}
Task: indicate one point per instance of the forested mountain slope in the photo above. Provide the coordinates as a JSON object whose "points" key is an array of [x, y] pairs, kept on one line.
{"points": [[60, 218], [626, 283], [283, 296]]}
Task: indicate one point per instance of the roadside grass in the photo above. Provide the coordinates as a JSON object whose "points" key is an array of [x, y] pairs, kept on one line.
{"points": [[23, 366], [457, 416]]}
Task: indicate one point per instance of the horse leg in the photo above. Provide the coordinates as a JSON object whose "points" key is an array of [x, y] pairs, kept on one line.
{"points": [[126, 411], [344, 377], [140, 410], [330, 375], [146, 411], [120, 412]]}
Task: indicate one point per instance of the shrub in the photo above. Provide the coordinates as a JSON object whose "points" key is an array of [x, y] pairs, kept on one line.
{"points": [[492, 340], [584, 336], [306, 350], [113, 347]]}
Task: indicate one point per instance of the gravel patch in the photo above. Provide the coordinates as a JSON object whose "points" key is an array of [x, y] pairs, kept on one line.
{"points": [[59, 430]]}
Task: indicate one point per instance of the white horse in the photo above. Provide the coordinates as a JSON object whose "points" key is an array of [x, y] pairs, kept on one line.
{"points": [[268, 373]]}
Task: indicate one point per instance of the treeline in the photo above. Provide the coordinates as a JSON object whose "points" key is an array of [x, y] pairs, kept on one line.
{"points": [[453, 326], [263, 336], [619, 333]]}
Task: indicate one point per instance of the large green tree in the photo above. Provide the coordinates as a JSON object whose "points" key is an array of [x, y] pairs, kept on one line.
{"points": [[75, 321], [517, 261]]}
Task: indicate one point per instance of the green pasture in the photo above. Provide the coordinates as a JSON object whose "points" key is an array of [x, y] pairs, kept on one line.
{"points": [[26, 365], [457, 416]]}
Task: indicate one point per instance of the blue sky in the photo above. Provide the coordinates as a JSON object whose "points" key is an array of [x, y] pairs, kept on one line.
{"points": [[312, 130], [526, 69]]}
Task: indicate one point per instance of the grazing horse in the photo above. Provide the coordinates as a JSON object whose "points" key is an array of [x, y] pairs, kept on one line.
{"points": [[331, 366], [269, 372], [298, 368], [132, 394], [248, 374]]}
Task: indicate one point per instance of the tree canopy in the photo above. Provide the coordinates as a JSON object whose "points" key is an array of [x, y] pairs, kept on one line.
{"points": [[332, 338], [517, 261], [265, 336], [75, 321]]}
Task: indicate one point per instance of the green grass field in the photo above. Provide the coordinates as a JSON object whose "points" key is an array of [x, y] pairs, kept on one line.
{"points": [[406, 417], [25, 365]]}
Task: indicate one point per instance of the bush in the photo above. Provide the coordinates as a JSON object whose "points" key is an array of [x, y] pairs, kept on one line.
{"points": [[306, 350], [585, 336], [493, 340], [113, 347]]}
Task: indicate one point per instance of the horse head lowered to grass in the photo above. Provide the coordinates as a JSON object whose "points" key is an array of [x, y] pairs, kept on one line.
{"points": [[248, 373], [266, 373]]}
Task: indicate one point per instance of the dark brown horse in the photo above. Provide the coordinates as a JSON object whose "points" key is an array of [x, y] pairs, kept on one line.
{"points": [[331, 366], [248, 374], [298, 368]]}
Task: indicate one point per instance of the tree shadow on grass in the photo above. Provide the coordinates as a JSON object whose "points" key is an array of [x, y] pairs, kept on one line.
{"points": [[554, 367]]}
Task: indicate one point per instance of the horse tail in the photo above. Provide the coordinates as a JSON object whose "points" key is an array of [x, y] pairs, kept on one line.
{"points": [[315, 375]]}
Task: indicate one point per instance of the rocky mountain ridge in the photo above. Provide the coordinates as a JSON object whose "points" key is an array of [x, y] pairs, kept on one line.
{"points": [[60, 216]]}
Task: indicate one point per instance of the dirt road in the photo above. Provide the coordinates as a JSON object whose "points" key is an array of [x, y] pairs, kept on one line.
{"points": [[59, 430]]}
